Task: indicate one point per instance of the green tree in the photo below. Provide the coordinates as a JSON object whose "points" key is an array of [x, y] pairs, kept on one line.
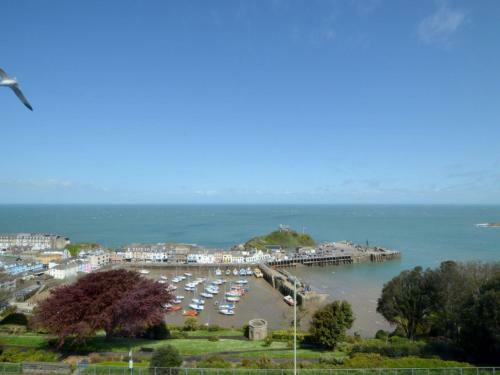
{"points": [[330, 323], [480, 324], [405, 301], [164, 358], [190, 324]]}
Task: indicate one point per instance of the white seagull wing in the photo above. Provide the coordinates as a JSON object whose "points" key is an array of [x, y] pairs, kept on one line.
{"points": [[20, 95], [3, 74]]}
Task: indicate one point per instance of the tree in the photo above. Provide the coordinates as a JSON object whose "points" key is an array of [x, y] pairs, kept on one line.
{"points": [[405, 301], [330, 323], [164, 358], [117, 301], [190, 324], [480, 324]]}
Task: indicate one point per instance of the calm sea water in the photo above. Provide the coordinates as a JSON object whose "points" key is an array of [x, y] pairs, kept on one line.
{"points": [[426, 235]]}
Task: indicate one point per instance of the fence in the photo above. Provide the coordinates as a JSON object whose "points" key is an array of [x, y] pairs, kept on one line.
{"points": [[115, 370]]}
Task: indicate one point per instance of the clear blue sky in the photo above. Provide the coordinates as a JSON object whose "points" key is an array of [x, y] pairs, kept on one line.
{"points": [[251, 101]]}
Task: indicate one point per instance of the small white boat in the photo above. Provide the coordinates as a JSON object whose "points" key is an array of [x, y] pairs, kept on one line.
{"points": [[232, 299], [242, 282], [232, 294], [212, 290], [228, 272], [177, 301], [144, 272], [176, 280], [167, 305], [207, 295], [188, 274], [235, 272], [162, 281], [249, 271], [196, 307], [171, 288], [164, 277], [218, 272], [179, 297], [227, 306], [289, 300], [227, 311], [189, 288], [243, 272], [198, 301]]}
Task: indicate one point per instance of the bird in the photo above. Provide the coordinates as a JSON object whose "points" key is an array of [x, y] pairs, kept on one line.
{"points": [[6, 81]]}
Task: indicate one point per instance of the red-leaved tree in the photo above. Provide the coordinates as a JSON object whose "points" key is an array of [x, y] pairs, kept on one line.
{"points": [[116, 301]]}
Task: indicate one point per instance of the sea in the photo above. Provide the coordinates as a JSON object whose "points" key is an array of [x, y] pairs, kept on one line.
{"points": [[425, 234]]}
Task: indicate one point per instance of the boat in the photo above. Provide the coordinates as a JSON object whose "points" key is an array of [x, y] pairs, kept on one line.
{"points": [[179, 297], [174, 308], [207, 295], [226, 311], [190, 313], [189, 288], [249, 271], [171, 288], [198, 301], [162, 281], [164, 277], [242, 282], [177, 301], [258, 273], [289, 300], [144, 272], [218, 272], [212, 290], [232, 299], [233, 294], [227, 306], [243, 272], [235, 272], [488, 225], [188, 274], [196, 307], [167, 306], [228, 272]]}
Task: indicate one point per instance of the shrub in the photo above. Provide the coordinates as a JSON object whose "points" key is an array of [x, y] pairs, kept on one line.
{"points": [[246, 330], [17, 355], [15, 318], [330, 360], [213, 328], [265, 362], [382, 335], [165, 357], [268, 341], [395, 347], [213, 338], [214, 361], [157, 332], [190, 324], [179, 335], [373, 360], [329, 323]]}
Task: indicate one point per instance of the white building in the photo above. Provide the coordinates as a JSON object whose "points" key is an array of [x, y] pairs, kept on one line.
{"points": [[33, 241], [96, 258]]}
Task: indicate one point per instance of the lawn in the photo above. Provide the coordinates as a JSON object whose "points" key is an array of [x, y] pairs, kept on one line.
{"points": [[27, 341], [288, 354], [221, 333]]}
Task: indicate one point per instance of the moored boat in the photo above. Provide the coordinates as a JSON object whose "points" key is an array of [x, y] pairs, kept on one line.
{"points": [[289, 300]]}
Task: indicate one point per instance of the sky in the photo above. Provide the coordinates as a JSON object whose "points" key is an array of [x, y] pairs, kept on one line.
{"points": [[254, 101]]}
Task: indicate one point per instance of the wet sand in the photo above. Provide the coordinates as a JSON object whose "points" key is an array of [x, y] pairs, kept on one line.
{"points": [[261, 301]]}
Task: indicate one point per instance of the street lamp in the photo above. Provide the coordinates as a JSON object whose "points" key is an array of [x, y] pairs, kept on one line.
{"points": [[295, 326]]}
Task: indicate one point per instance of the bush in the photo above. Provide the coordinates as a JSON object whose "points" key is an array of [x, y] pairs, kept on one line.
{"points": [[157, 332], [330, 360], [382, 335], [213, 338], [190, 324], [15, 318], [213, 328], [374, 360], [179, 335], [246, 330], [286, 335], [395, 347], [268, 341], [15, 355], [214, 361], [166, 356]]}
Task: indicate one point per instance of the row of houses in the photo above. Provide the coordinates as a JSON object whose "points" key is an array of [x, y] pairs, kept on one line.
{"points": [[32, 241]]}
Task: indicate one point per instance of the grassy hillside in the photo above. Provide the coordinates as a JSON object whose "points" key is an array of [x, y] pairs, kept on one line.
{"points": [[285, 238], [75, 248]]}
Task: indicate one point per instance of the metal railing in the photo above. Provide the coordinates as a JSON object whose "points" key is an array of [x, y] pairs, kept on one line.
{"points": [[118, 370]]}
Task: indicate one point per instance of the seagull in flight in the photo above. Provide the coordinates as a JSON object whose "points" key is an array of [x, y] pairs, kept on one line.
{"points": [[6, 81]]}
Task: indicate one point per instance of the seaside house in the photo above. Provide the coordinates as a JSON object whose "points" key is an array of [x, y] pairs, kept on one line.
{"points": [[69, 269], [17, 266], [33, 241], [96, 258]]}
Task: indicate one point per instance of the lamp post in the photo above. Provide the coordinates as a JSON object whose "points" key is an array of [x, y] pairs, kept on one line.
{"points": [[295, 326]]}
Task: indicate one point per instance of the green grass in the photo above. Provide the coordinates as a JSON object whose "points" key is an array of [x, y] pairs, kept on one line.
{"points": [[27, 341], [221, 333], [288, 354]]}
